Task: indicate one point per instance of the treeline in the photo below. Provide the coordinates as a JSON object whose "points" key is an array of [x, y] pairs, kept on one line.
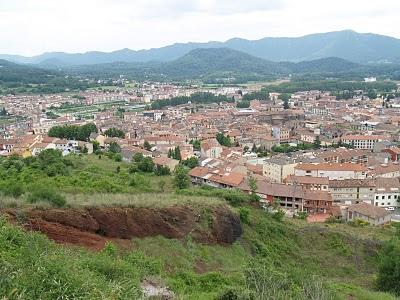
{"points": [[195, 98], [73, 132], [331, 85], [15, 79], [342, 89]]}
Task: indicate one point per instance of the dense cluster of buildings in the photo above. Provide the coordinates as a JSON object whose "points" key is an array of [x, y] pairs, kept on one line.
{"points": [[353, 168]]}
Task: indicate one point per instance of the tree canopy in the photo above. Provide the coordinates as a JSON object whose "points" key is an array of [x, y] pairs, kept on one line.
{"points": [[73, 132]]}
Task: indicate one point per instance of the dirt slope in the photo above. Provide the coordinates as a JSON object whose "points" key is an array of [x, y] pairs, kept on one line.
{"points": [[93, 227]]}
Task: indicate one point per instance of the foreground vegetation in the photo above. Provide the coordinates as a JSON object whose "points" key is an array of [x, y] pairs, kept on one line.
{"points": [[276, 258]]}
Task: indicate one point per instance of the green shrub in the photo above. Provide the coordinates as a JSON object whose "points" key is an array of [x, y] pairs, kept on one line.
{"points": [[359, 223], [12, 189], [389, 267], [302, 215], [244, 214], [278, 215], [162, 171], [47, 194]]}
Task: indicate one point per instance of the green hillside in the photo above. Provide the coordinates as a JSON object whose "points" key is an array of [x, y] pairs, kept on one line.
{"points": [[15, 78], [275, 257]]}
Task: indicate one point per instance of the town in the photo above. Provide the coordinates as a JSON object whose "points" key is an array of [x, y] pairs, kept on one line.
{"points": [[308, 151], [199, 150]]}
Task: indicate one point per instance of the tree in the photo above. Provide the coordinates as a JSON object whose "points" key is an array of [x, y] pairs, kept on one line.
{"points": [[191, 162], [114, 147], [171, 153], [147, 146], [96, 146], [162, 171], [196, 145], [177, 153], [389, 267], [195, 98], [284, 97], [252, 182], [286, 104], [73, 132], [224, 140], [137, 157], [181, 178], [146, 165], [114, 132], [243, 104], [372, 94], [317, 142]]}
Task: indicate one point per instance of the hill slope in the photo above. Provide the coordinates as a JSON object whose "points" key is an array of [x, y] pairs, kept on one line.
{"points": [[214, 63], [11, 72], [347, 44]]}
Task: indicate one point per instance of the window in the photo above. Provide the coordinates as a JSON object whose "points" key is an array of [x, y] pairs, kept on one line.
{"points": [[383, 197], [376, 197], [390, 197]]}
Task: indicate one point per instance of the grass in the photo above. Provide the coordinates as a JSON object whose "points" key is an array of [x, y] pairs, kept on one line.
{"points": [[366, 233], [348, 291], [153, 200], [292, 253], [283, 256]]}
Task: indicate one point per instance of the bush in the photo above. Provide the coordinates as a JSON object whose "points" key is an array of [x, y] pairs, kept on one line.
{"points": [[278, 215], [13, 189], [389, 267], [244, 214], [181, 178], [146, 165], [359, 223], [162, 171], [47, 194], [302, 215]]}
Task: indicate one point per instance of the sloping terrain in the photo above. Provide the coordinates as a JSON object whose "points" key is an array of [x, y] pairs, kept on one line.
{"points": [[93, 227]]}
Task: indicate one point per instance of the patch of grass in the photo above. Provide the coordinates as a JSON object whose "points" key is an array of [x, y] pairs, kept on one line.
{"points": [[349, 291], [154, 200]]}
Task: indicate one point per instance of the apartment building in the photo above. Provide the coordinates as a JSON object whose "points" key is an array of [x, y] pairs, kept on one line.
{"points": [[332, 171], [352, 191], [363, 141]]}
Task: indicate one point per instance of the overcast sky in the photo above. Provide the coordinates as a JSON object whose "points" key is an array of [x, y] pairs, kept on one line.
{"points": [[31, 27]]}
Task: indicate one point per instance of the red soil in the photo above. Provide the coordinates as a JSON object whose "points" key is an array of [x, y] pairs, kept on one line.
{"points": [[93, 227]]}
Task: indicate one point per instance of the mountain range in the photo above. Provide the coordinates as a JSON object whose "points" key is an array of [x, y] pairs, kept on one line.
{"points": [[349, 45], [210, 64], [205, 64]]}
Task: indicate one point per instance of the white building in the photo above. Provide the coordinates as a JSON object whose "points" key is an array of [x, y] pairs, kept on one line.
{"points": [[363, 141], [334, 171]]}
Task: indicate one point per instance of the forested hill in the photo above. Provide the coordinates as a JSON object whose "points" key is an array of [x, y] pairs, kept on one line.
{"points": [[11, 72], [16, 78], [215, 63], [347, 44]]}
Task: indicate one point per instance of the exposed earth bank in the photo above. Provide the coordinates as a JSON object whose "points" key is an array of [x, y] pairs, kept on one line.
{"points": [[93, 227]]}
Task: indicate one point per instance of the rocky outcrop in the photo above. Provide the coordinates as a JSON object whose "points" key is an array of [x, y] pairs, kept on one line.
{"points": [[93, 227]]}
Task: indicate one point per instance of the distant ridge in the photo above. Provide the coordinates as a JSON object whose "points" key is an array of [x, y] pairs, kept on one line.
{"points": [[349, 45], [212, 63]]}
